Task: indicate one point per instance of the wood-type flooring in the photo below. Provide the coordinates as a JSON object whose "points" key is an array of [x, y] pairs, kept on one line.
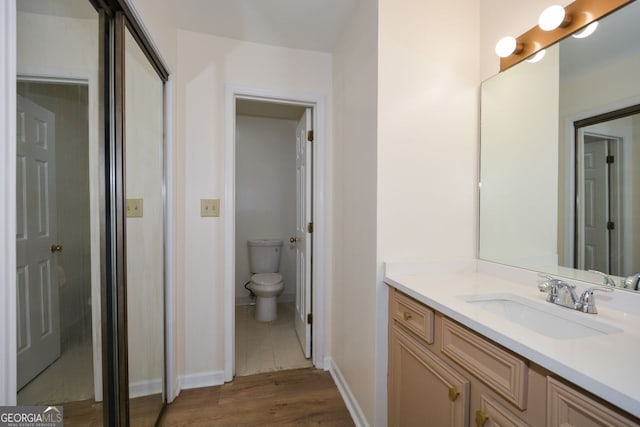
{"points": [[297, 397]]}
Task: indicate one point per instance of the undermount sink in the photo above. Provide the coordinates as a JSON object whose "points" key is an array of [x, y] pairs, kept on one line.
{"points": [[543, 318]]}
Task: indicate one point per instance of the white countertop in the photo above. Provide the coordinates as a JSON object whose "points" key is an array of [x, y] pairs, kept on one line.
{"points": [[605, 365]]}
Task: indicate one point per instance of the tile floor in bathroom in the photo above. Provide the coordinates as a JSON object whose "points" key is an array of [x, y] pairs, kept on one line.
{"points": [[68, 379], [266, 347]]}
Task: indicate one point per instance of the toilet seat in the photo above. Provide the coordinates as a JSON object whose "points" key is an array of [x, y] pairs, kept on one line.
{"points": [[266, 279]]}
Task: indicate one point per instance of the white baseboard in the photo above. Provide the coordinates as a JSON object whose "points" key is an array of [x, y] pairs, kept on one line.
{"points": [[349, 400], [202, 379], [145, 388]]}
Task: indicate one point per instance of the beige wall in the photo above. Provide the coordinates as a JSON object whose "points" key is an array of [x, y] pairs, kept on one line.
{"points": [[352, 302], [206, 65]]}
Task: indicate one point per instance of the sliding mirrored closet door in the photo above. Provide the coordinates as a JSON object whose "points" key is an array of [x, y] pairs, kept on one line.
{"points": [[58, 312], [90, 208], [144, 177]]}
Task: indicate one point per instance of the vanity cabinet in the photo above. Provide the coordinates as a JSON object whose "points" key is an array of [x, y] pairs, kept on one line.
{"points": [[443, 374]]}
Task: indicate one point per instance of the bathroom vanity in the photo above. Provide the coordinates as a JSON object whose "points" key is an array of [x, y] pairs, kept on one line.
{"points": [[472, 347]]}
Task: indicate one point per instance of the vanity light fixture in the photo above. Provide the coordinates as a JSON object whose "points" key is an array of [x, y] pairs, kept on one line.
{"points": [[569, 19], [554, 17], [507, 46], [587, 31], [537, 57]]}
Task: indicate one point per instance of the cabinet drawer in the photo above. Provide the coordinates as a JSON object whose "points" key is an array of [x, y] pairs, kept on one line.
{"points": [[413, 315], [568, 407], [500, 370]]}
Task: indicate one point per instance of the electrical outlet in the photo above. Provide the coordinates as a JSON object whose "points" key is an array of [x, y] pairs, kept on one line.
{"points": [[134, 208], [209, 207]]}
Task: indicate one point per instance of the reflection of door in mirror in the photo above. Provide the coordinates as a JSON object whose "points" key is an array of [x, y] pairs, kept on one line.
{"points": [[605, 194]]}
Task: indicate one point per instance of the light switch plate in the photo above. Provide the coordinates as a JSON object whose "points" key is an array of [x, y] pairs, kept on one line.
{"points": [[209, 207], [134, 208]]}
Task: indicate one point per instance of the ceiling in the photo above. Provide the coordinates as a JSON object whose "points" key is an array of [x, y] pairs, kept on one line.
{"points": [[299, 24]]}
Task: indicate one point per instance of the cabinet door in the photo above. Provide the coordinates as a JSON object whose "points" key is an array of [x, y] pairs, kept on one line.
{"points": [[567, 407], [423, 390], [493, 414]]}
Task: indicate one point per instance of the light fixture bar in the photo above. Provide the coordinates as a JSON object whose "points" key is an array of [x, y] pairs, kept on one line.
{"points": [[583, 12]]}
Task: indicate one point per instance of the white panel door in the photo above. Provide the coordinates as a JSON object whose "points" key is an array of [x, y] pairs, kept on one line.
{"points": [[38, 316], [596, 205], [303, 236]]}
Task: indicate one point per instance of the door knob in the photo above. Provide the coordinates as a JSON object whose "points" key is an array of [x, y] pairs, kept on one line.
{"points": [[292, 240], [56, 248]]}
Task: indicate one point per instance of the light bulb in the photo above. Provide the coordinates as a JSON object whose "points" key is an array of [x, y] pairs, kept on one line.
{"points": [[537, 57], [586, 31], [506, 46], [551, 18]]}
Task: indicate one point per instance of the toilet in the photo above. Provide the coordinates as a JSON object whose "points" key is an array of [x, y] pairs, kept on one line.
{"points": [[266, 283]]}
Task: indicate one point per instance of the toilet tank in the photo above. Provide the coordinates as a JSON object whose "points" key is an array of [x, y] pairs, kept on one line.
{"points": [[264, 255]]}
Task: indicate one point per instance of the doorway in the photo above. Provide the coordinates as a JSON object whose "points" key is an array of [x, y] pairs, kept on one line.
{"points": [[55, 355], [606, 153], [273, 199], [313, 306]]}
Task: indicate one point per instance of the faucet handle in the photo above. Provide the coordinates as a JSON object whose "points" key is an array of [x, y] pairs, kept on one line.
{"points": [[587, 302]]}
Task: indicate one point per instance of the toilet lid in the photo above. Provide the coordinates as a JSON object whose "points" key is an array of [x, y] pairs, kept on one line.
{"points": [[266, 278]]}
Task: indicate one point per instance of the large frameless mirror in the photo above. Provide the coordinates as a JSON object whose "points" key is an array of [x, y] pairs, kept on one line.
{"points": [[560, 143]]}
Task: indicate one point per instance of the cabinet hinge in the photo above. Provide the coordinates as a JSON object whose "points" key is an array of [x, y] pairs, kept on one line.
{"points": [[609, 159], [611, 225], [310, 318], [310, 227], [310, 135]]}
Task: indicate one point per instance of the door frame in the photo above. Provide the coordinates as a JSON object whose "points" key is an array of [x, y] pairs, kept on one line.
{"points": [[7, 203], [317, 103], [85, 79], [568, 146]]}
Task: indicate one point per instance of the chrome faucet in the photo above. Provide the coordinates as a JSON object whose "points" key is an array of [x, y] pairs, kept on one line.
{"points": [[562, 293], [633, 282], [558, 291], [608, 281]]}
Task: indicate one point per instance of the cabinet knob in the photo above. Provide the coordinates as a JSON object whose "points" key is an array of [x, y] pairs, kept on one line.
{"points": [[481, 418], [407, 315], [292, 240], [56, 248], [453, 394]]}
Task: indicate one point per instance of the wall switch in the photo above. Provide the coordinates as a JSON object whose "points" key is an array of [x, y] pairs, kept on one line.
{"points": [[209, 207], [134, 208]]}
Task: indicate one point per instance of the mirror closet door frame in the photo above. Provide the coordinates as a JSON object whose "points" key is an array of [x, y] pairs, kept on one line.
{"points": [[116, 19]]}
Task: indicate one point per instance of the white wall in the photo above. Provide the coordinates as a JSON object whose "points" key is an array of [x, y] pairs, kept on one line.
{"points": [[353, 294], [265, 195], [207, 65]]}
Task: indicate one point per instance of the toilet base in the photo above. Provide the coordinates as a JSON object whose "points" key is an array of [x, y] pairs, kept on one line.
{"points": [[266, 309]]}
